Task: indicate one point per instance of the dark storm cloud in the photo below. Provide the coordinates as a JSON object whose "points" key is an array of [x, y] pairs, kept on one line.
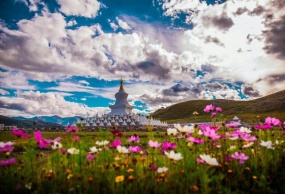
{"points": [[257, 11], [215, 40], [209, 68], [150, 67], [275, 38], [223, 22], [273, 78], [174, 90], [216, 86], [14, 106], [241, 10], [249, 91]]}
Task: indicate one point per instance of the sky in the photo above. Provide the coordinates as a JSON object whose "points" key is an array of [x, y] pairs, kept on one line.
{"points": [[66, 57]]}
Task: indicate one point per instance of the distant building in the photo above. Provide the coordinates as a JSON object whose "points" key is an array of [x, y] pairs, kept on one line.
{"points": [[236, 120], [7, 127], [121, 105]]}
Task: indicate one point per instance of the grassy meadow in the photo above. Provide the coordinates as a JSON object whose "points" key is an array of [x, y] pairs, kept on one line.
{"points": [[183, 159]]}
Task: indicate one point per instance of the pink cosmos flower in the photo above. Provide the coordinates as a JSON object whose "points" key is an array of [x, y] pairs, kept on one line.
{"points": [[134, 139], [195, 140], [152, 167], [213, 114], [168, 146], [44, 143], [180, 136], [63, 151], [90, 157], [228, 159], [208, 132], [199, 160], [209, 108], [263, 127], [240, 156], [71, 128], [76, 138], [134, 149], [203, 127], [248, 137], [20, 133], [154, 144], [116, 143], [272, 121], [218, 109], [232, 125], [7, 162]]}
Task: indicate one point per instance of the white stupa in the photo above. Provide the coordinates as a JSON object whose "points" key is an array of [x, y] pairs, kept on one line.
{"points": [[121, 105]]}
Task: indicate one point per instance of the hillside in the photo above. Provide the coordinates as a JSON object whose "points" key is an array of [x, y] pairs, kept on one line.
{"points": [[271, 105], [25, 123]]}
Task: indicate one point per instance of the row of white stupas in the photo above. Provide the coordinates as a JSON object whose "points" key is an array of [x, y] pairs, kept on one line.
{"points": [[121, 120], [121, 115]]}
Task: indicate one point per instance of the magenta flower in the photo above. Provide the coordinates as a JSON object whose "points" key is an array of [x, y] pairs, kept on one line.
{"points": [[240, 156], [90, 157], [7, 162], [43, 143], [116, 143], [195, 140], [168, 146], [117, 133], [152, 167], [218, 109], [208, 132], [76, 138], [6, 147], [232, 125], [272, 121], [248, 137], [134, 149], [154, 144], [213, 114], [134, 139], [203, 127], [199, 160], [209, 108], [228, 159], [63, 151], [20, 133], [71, 128], [263, 127]]}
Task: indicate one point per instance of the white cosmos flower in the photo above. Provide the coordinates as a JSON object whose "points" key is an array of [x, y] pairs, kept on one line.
{"points": [[172, 131], [102, 143], [200, 132], [245, 130], [172, 155], [209, 160], [267, 144], [278, 142], [185, 128], [233, 138], [73, 151], [123, 149], [248, 145], [2, 144], [94, 150], [162, 169], [56, 145]]}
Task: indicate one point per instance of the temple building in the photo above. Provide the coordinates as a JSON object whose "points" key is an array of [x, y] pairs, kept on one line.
{"points": [[121, 117], [121, 105]]}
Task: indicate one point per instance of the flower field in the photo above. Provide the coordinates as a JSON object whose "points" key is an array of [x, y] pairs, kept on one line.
{"points": [[183, 159]]}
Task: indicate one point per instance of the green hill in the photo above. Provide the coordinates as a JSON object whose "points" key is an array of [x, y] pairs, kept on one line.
{"points": [[272, 105]]}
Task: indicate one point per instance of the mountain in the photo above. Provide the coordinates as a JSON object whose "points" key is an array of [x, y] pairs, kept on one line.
{"points": [[272, 105], [26, 123], [52, 119]]}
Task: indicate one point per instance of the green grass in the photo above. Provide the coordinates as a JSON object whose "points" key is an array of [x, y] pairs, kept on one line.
{"points": [[272, 105], [50, 171]]}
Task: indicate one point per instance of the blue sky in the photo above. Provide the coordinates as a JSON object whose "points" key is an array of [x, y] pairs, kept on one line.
{"points": [[62, 57]]}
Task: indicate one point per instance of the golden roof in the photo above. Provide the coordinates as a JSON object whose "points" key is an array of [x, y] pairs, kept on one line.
{"points": [[121, 85]]}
